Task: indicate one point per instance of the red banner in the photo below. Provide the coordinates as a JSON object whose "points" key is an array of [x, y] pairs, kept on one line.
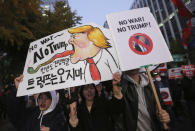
{"points": [[162, 67], [188, 70], [184, 12]]}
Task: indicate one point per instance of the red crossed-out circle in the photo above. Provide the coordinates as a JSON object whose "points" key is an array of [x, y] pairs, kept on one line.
{"points": [[133, 39], [164, 95]]}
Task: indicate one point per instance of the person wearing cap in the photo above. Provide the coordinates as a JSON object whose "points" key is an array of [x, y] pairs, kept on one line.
{"points": [[140, 111], [46, 116]]}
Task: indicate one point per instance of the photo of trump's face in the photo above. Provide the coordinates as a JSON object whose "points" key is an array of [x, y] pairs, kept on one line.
{"points": [[142, 39]]}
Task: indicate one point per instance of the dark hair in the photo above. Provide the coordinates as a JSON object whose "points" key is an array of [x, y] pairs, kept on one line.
{"points": [[81, 92], [48, 94]]}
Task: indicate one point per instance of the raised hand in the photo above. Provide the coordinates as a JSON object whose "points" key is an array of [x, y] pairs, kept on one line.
{"points": [[17, 80], [44, 128], [73, 109], [73, 114], [116, 78]]}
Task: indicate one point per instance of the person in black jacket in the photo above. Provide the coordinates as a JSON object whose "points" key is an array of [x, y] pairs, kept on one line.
{"points": [[140, 113], [94, 113], [188, 86], [46, 116]]}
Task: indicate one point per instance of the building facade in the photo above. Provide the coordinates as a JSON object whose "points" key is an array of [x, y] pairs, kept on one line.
{"points": [[166, 15]]}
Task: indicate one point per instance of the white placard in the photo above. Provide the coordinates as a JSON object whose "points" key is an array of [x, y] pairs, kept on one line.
{"points": [[138, 39], [166, 96], [72, 57], [175, 73]]}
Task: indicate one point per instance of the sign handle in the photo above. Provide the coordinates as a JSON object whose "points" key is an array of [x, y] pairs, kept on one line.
{"points": [[69, 92], [155, 94]]}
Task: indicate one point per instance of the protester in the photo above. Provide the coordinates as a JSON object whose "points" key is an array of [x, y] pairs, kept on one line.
{"points": [[140, 112], [47, 116], [100, 90], [188, 86], [93, 114], [176, 94], [157, 80]]}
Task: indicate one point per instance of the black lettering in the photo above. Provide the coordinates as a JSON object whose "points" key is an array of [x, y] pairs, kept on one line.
{"points": [[131, 20], [66, 45], [39, 56], [44, 41], [121, 29], [139, 19], [60, 71], [46, 51], [122, 22], [51, 37], [57, 46], [50, 46], [132, 27], [129, 27], [149, 24], [143, 18]]}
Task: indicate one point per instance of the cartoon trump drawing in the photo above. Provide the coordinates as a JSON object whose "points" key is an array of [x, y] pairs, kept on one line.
{"points": [[90, 46]]}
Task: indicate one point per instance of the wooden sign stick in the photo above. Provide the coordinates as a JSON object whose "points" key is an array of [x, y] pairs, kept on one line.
{"points": [[155, 94], [69, 92]]}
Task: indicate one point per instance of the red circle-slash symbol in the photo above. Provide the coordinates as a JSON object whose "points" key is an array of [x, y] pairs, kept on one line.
{"points": [[164, 95], [137, 45]]}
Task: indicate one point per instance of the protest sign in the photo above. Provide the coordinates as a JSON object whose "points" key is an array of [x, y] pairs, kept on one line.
{"points": [[166, 96], [188, 70], [137, 38], [175, 73], [90, 53], [162, 67], [72, 57], [139, 42]]}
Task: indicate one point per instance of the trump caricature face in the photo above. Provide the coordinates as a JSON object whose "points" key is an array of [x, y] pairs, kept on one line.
{"points": [[79, 40], [87, 42], [82, 46]]}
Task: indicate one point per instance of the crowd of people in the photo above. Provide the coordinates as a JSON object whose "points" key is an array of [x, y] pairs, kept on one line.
{"points": [[126, 103]]}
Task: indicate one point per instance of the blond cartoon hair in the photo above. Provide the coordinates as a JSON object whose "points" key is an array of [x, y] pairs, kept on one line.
{"points": [[94, 34]]}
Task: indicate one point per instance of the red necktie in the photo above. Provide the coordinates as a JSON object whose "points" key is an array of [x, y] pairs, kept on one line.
{"points": [[95, 74]]}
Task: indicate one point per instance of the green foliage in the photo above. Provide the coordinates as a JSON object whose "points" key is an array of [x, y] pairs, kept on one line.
{"points": [[53, 21], [21, 22], [15, 19]]}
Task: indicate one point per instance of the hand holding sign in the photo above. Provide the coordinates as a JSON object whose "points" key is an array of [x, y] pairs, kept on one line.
{"points": [[163, 116], [17, 80], [73, 114], [44, 128]]}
